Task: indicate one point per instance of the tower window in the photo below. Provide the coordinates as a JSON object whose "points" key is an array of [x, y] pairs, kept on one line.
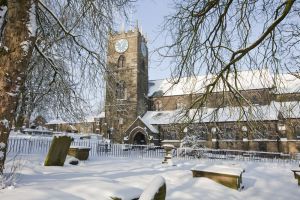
{"points": [[143, 65], [121, 90], [254, 99], [121, 61]]}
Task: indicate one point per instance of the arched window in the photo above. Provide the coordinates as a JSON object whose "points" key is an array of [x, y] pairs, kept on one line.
{"points": [[121, 90], [158, 105], [121, 61]]}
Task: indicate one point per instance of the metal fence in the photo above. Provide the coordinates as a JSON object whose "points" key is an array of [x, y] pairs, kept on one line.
{"points": [[226, 154], [29, 145], [98, 148]]}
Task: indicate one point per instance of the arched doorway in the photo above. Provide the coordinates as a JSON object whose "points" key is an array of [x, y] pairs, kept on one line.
{"points": [[139, 139]]}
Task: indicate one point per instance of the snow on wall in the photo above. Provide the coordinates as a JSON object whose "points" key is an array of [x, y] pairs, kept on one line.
{"points": [[224, 169], [152, 188], [31, 25]]}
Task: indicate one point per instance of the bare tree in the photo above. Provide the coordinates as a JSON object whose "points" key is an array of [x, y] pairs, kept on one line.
{"points": [[221, 38], [70, 36]]}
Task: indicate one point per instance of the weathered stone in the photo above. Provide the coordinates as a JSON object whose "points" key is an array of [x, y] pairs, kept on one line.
{"points": [[132, 72], [81, 153], [58, 151]]}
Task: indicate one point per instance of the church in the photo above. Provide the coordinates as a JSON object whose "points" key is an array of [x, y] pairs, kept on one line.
{"points": [[142, 111]]}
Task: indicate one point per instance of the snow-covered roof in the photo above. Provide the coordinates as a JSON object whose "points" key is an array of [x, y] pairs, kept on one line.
{"points": [[162, 117], [225, 114], [152, 128], [73, 128], [245, 80], [92, 118], [56, 121], [37, 130], [287, 83], [101, 115]]}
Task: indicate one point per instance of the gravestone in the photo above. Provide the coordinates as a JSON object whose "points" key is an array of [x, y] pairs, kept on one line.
{"points": [[58, 151], [156, 190]]}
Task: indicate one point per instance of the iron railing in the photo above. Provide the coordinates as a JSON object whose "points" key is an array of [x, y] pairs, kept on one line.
{"points": [[98, 148]]}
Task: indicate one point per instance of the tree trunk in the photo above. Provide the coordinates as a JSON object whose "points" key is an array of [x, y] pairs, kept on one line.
{"points": [[20, 116], [18, 42]]}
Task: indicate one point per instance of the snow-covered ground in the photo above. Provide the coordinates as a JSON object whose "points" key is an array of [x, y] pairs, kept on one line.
{"points": [[101, 178]]}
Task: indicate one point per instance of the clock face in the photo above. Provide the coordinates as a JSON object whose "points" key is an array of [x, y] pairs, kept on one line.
{"points": [[144, 48], [121, 45]]}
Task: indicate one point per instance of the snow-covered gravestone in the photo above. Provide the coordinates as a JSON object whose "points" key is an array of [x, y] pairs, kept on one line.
{"points": [[58, 151], [156, 190], [168, 154]]}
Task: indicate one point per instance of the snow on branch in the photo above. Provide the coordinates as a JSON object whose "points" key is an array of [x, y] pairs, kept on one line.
{"points": [[5, 122], [31, 25], [3, 10], [25, 47]]}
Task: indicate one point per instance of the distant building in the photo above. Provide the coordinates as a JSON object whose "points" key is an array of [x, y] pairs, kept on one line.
{"points": [[92, 124]]}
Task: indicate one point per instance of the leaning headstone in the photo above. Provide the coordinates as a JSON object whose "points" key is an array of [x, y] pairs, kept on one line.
{"points": [[156, 190], [58, 151]]}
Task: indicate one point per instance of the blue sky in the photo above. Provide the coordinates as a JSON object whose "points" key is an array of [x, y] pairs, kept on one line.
{"points": [[150, 14]]}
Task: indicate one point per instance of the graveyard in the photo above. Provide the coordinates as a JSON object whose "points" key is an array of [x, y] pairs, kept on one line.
{"points": [[126, 174]]}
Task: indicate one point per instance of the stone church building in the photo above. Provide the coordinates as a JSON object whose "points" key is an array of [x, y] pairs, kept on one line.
{"points": [[139, 111]]}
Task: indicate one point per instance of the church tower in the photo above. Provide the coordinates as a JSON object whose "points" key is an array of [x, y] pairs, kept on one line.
{"points": [[127, 81]]}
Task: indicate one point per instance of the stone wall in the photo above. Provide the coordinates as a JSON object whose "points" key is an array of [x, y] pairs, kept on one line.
{"points": [[273, 140], [290, 146]]}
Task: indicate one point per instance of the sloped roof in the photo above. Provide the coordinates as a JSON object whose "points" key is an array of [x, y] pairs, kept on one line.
{"points": [[56, 121], [287, 83], [225, 114], [245, 80], [151, 127], [162, 117], [101, 115], [92, 118]]}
